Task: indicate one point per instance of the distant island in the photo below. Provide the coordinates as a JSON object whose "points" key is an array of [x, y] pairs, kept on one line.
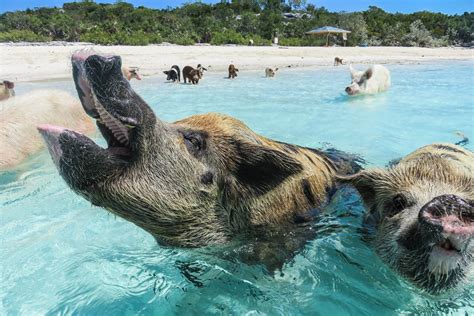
{"points": [[244, 22]]}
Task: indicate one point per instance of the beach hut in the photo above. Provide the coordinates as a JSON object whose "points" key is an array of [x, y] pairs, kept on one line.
{"points": [[327, 30]]}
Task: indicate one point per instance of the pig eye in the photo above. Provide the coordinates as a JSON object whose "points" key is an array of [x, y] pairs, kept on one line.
{"points": [[194, 142], [398, 204]]}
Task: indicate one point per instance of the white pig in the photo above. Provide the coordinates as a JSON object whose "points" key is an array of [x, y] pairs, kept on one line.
{"points": [[373, 80], [20, 115]]}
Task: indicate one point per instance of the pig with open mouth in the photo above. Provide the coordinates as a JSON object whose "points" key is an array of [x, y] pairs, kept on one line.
{"points": [[196, 182]]}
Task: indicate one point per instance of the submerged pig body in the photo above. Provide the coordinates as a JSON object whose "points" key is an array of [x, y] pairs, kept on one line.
{"points": [[373, 80], [195, 182]]}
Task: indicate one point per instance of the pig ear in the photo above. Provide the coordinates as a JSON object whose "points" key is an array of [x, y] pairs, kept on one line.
{"points": [[260, 168], [367, 74], [365, 182]]}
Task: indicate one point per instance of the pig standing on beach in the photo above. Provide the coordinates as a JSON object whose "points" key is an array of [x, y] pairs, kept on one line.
{"points": [[174, 74], [6, 89], [192, 75], [232, 71], [338, 61], [373, 80]]}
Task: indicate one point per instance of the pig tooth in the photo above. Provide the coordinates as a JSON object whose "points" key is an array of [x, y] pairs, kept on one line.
{"points": [[119, 131]]}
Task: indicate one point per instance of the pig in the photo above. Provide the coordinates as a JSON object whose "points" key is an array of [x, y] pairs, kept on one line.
{"points": [[19, 117], [174, 74], [270, 72], [422, 212], [131, 73], [373, 80], [192, 75], [338, 61], [6, 90], [203, 180], [232, 71]]}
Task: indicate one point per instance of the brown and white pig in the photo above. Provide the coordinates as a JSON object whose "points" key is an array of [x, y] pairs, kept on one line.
{"points": [[199, 181], [192, 75]]}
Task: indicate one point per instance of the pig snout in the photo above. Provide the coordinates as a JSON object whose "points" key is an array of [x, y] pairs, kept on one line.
{"points": [[448, 214], [351, 90]]}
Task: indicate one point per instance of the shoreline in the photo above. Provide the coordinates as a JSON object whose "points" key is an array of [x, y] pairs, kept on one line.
{"points": [[32, 62]]}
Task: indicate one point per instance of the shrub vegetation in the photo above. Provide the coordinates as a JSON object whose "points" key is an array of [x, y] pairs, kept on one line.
{"points": [[231, 22]]}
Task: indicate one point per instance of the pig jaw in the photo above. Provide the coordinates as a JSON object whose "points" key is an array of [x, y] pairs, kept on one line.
{"points": [[430, 243]]}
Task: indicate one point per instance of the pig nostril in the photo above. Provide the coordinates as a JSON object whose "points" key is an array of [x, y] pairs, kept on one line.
{"points": [[348, 89]]}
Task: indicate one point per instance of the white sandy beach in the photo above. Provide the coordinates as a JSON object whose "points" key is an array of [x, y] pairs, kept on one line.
{"points": [[20, 63]]}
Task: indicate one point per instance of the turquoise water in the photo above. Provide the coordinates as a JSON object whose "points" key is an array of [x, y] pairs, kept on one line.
{"points": [[60, 255]]}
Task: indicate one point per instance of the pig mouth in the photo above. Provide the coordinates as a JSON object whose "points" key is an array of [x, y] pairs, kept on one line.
{"points": [[115, 128], [437, 252], [105, 96], [455, 231], [453, 248], [448, 246], [437, 265], [451, 252]]}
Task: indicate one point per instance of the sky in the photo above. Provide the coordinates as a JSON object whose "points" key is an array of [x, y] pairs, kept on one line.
{"points": [[403, 6]]}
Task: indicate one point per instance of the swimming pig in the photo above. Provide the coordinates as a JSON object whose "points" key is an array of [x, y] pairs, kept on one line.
{"points": [[422, 209], [232, 71], [20, 115], [6, 89], [199, 181], [270, 72], [373, 80], [174, 74], [191, 74]]}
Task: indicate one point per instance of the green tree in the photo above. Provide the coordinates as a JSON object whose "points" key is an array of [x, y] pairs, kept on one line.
{"points": [[418, 35], [355, 23]]}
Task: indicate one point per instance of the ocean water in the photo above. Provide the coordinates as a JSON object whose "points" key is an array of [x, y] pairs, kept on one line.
{"points": [[60, 255]]}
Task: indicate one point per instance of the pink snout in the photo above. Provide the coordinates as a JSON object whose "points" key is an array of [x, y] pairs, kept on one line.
{"points": [[449, 214], [51, 136], [452, 224]]}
